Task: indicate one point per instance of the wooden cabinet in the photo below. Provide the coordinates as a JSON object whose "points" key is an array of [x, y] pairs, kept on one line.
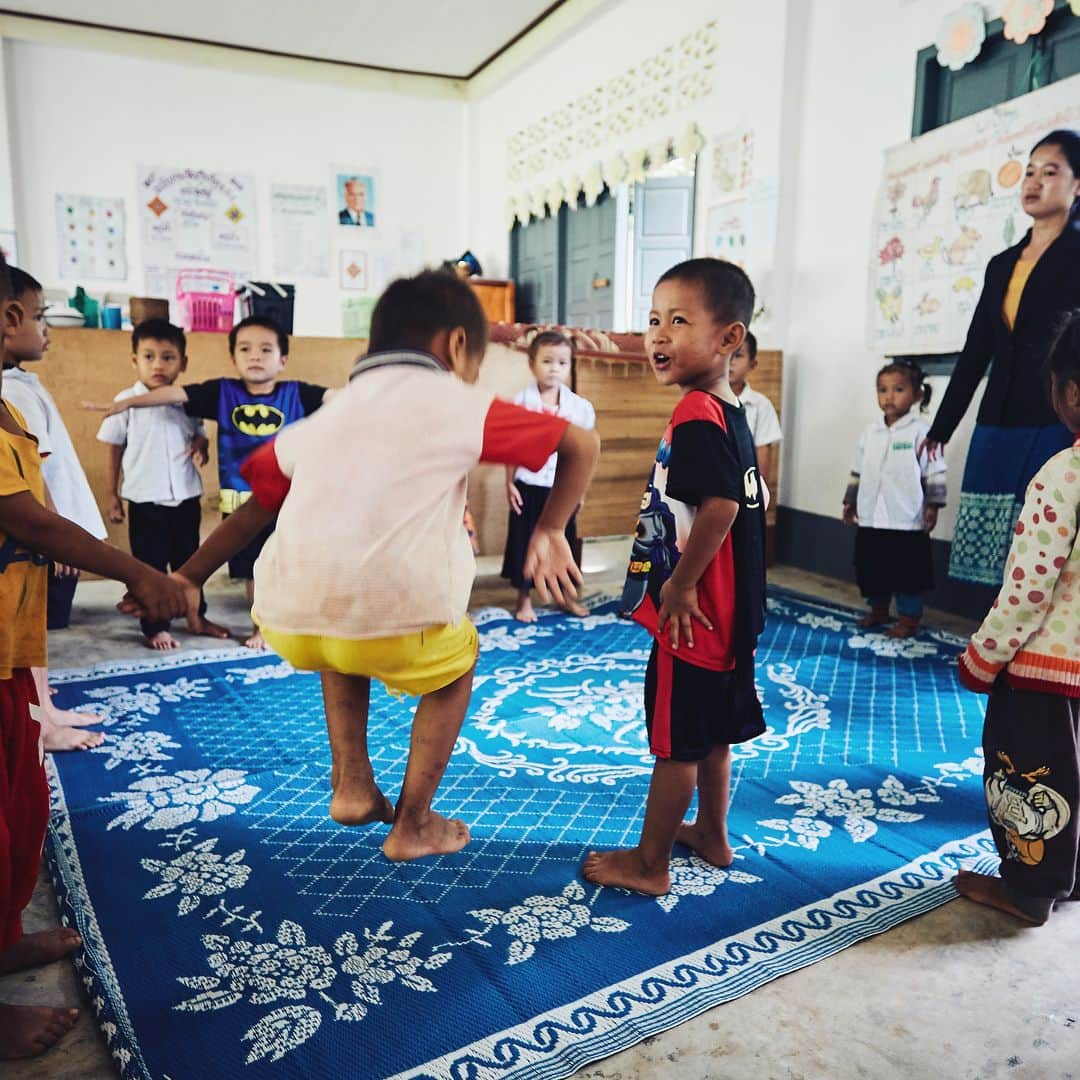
{"points": [[496, 298]]}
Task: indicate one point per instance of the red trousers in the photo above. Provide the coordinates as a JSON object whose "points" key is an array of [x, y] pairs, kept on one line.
{"points": [[24, 802]]}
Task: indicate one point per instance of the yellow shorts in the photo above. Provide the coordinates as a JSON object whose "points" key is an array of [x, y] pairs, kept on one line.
{"points": [[411, 664]]}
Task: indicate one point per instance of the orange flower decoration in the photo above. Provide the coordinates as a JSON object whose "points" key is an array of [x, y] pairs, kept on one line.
{"points": [[1025, 17]]}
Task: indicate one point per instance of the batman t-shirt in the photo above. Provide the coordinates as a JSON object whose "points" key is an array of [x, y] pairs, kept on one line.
{"points": [[245, 421], [707, 451]]}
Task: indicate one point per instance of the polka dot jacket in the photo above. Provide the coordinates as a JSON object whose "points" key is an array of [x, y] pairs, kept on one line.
{"points": [[1033, 630]]}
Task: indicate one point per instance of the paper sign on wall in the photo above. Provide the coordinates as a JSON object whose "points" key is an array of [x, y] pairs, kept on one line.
{"points": [[91, 237], [300, 229], [353, 270], [948, 202], [192, 218]]}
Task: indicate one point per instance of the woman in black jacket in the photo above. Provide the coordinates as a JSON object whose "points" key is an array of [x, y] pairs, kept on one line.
{"points": [[1028, 289]]}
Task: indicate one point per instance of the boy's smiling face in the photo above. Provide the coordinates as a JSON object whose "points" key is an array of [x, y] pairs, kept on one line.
{"points": [[685, 344], [32, 338], [257, 356], [158, 363]]}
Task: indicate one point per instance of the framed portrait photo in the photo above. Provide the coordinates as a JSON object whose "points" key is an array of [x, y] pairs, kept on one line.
{"points": [[355, 204]]}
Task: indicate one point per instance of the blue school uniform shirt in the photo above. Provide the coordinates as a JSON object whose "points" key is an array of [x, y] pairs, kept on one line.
{"points": [[245, 421]]}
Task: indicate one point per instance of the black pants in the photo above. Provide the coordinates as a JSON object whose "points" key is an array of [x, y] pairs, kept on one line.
{"points": [[61, 595], [1031, 777], [164, 537], [520, 529]]}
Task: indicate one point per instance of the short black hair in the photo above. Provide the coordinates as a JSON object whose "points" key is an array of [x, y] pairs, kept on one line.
{"points": [[550, 337], [413, 310], [1063, 360], [729, 293], [266, 323], [22, 283], [751, 345], [6, 291], [158, 330]]}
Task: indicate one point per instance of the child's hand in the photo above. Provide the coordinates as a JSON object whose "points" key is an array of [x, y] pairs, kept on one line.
{"points": [[678, 609], [114, 509], [930, 515], [111, 409], [199, 450], [154, 596], [193, 598], [849, 515], [550, 563], [512, 493]]}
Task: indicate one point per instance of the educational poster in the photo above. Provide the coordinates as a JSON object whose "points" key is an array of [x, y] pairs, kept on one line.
{"points": [[353, 270], [725, 227], [300, 231], [356, 200], [356, 316], [732, 163], [91, 239], [190, 218], [949, 201]]}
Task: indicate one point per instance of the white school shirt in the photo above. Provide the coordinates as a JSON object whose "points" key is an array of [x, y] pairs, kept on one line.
{"points": [[891, 475], [156, 463], [64, 476], [761, 416], [572, 407]]}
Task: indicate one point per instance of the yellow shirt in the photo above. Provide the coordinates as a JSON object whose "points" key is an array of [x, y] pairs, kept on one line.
{"points": [[23, 577], [1011, 304]]}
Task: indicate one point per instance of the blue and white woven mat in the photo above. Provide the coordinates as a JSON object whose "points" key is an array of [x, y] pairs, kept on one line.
{"points": [[233, 930]]}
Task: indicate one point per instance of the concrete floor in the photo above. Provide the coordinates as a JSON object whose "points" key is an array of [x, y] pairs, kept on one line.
{"points": [[961, 992]]}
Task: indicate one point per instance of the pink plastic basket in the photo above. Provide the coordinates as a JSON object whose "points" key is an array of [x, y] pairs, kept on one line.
{"points": [[207, 299]]}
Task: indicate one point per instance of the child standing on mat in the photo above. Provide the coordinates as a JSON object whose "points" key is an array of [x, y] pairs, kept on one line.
{"points": [[760, 411], [1026, 656], [697, 576], [155, 450], [31, 536], [893, 495], [67, 491], [551, 360], [369, 571], [249, 411]]}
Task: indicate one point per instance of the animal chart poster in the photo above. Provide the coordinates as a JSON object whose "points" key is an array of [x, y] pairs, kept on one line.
{"points": [[949, 201], [90, 237], [191, 218]]}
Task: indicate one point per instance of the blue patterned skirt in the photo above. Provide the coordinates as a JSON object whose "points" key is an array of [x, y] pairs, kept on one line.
{"points": [[1000, 465]]}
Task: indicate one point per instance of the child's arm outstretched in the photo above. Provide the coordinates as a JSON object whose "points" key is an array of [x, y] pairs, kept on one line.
{"points": [[549, 562], [25, 520], [678, 596], [163, 395]]}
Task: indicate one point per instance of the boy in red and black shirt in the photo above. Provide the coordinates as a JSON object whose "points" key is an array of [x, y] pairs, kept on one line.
{"points": [[697, 576]]}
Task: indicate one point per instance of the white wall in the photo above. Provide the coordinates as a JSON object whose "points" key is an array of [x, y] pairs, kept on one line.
{"points": [[747, 90], [83, 121], [856, 101]]}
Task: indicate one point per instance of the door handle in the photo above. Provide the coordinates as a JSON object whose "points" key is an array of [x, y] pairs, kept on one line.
{"points": [[601, 283]]}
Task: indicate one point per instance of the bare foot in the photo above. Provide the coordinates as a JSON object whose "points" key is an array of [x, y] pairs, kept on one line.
{"points": [[577, 610], [56, 737], [34, 950], [353, 805], [210, 629], [29, 1030], [984, 889], [163, 641], [256, 642], [905, 628], [625, 870], [524, 612], [68, 717], [707, 845], [437, 835]]}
